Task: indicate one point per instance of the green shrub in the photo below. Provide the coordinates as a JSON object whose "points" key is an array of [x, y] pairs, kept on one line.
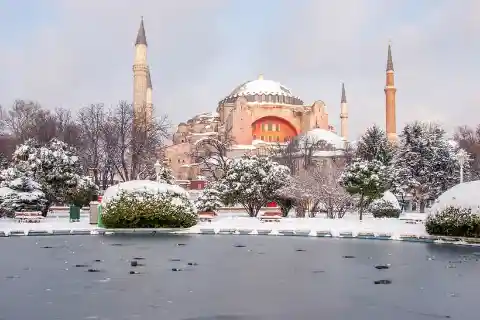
{"points": [[455, 222], [382, 208], [148, 210]]}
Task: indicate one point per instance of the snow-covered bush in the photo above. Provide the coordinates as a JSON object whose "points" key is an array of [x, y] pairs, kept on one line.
{"points": [[252, 182], [147, 210], [209, 200], [386, 207], [454, 221], [366, 180], [382, 208], [19, 195]]}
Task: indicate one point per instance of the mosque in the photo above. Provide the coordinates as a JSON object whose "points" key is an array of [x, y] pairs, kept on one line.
{"points": [[255, 114]]}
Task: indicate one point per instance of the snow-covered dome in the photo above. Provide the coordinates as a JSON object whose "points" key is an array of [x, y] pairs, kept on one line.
{"points": [[318, 134], [271, 91], [463, 195], [140, 186]]}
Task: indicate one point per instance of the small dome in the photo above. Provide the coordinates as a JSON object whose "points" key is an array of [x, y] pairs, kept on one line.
{"points": [[318, 134]]}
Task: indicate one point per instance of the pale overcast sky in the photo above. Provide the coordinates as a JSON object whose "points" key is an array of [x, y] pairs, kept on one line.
{"points": [[71, 53]]}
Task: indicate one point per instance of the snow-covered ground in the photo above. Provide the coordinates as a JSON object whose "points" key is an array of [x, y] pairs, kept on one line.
{"points": [[240, 221], [350, 223]]}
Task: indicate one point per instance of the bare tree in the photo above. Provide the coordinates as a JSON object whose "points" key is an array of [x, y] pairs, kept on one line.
{"points": [[91, 120], [323, 184], [210, 154], [135, 141], [469, 139], [299, 154]]}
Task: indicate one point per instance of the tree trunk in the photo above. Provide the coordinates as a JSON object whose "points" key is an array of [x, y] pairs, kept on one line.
{"points": [[422, 206], [361, 207]]}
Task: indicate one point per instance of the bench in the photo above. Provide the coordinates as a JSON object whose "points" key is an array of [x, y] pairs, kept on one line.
{"points": [[28, 216], [274, 216], [206, 216]]}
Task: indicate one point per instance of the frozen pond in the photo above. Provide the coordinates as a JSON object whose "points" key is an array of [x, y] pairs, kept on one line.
{"points": [[234, 278]]}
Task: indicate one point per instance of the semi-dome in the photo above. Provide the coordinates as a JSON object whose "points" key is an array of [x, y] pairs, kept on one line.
{"points": [[264, 91], [317, 134]]}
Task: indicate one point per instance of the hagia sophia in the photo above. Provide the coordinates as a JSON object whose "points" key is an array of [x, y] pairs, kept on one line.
{"points": [[255, 114]]}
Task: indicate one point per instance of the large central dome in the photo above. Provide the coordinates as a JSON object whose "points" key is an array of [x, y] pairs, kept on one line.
{"points": [[264, 91]]}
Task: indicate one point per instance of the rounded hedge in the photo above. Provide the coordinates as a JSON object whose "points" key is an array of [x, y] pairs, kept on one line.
{"points": [[455, 222], [147, 210], [384, 209]]}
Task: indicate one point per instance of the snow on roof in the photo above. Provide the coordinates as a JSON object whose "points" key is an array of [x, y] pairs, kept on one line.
{"points": [[318, 134], [261, 86], [462, 195], [140, 186]]}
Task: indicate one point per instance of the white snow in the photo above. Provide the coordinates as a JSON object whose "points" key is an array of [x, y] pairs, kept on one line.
{"points": [[350, 223], [261, 86], [317, 134], [230, 220], [465, 195], [389, 197], [139, 186]]}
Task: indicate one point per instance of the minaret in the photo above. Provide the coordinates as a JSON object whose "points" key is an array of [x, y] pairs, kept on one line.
{"points": [[343, 114], [390, 90], [140, 76], [148, 99]]}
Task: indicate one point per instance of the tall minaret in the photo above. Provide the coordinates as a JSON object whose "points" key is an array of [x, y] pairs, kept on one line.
{"points": [[390, 90], [140, 76], [343, 114]]}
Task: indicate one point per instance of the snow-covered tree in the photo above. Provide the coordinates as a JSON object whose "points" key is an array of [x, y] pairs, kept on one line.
{"points": [[209, 200], [425, 163], [374, 145], [252, 182], [20, 193], [166, 175], [366, 180], [54, 166]]}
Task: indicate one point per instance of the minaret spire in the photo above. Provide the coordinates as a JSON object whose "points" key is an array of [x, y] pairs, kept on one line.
{"points": [[389, 58], [390, 92], [141, 37], [344, 96], [344, 114]]}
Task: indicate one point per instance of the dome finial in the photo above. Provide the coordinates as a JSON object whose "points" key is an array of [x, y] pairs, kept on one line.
{"points": [[260, 76]]}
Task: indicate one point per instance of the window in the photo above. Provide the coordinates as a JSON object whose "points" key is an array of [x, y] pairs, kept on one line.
{"points": [[262, 138], [278, 127], [178, 160], [278, 139], [264, 98], [269, 127], [263, 127], [254, 137], [253, 126], [269, 138]]}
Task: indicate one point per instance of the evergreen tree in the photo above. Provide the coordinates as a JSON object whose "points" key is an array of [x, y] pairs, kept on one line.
{"points": [[252, 181], [209, 200], [374, 145], [366, 180], [166, 175], [20, 193], [54, 166], [425, 163]]}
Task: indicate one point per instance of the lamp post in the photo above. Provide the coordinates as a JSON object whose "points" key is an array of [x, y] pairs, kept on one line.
{"points": [[158, 169], [461, 157]]}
